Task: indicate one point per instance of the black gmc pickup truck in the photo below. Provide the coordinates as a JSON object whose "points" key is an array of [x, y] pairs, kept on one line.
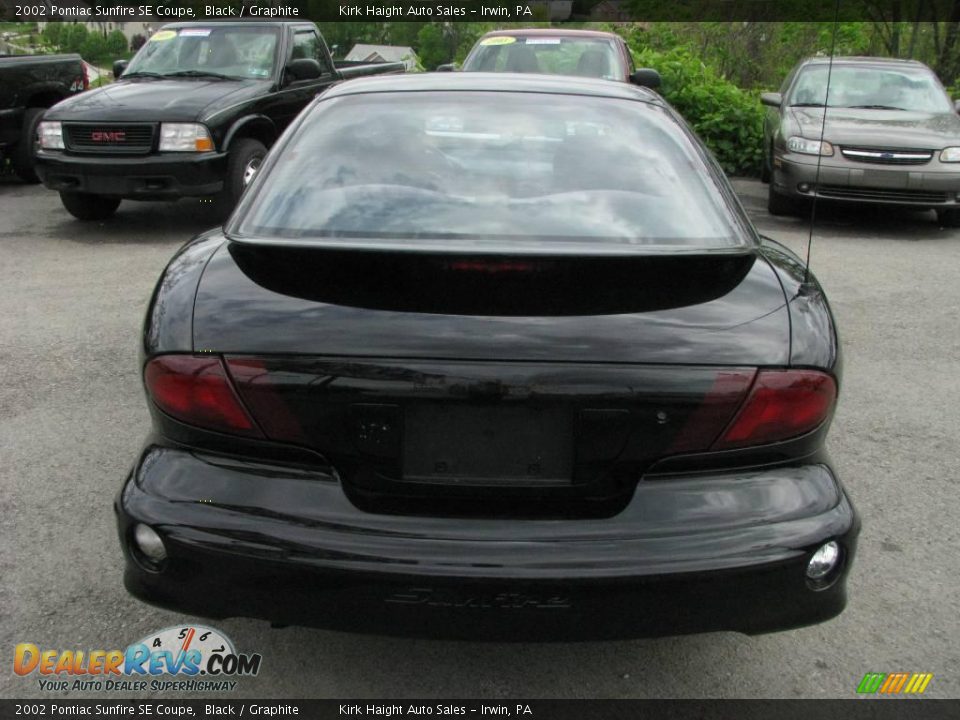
{"points": [[29, 84], [192, 115]]}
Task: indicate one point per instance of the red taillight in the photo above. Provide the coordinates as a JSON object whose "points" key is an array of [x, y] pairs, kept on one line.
{"points": [[196, 390], [782, 404], [258, 391], [86, 77]]}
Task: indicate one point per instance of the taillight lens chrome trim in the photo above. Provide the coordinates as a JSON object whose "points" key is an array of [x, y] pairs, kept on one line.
{"points": [[781, 404], [196, 389]]}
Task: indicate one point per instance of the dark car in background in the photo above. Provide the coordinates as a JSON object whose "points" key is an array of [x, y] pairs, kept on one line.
{"points": [[554, 51], [29, 84], [490, 355], [892, 136], [192, 115]]}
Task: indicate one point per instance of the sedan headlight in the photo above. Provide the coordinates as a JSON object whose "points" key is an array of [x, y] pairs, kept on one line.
{"points": [[185, 137], [51, 135], [950, 154], [809, 147]]}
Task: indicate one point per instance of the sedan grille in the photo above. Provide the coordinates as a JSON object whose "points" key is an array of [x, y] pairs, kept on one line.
{"points": [[883, 194], [128, 138], [888, 156]]}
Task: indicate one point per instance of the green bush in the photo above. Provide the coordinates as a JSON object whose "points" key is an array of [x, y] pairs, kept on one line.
{"points": [[728, 120]]}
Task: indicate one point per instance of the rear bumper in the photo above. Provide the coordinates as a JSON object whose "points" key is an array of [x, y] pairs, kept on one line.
{"points": [[688, 554], [932, 185], [144, 177]]}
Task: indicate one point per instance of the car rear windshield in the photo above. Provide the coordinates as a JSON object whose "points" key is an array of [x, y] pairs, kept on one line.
{"points": [[587, 57], [484, 167], [236, 52], [871, 87]]}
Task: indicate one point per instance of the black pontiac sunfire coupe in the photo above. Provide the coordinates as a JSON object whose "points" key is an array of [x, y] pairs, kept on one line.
{"points": [[490, 355]]}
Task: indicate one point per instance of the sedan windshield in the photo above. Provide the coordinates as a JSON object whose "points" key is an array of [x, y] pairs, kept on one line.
{"points": [[870, 87], [232, 52], [477, 166], [587, 57]]}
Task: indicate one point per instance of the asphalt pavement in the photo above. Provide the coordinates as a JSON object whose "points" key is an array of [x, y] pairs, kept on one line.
{"points": [[73, 415]]}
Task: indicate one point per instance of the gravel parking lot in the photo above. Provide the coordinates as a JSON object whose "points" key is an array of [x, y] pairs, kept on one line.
{"points": [[72, 416]]}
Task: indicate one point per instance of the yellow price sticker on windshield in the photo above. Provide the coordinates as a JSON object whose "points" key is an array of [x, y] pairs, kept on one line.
{"points": [[500, 40], [162, 35]]}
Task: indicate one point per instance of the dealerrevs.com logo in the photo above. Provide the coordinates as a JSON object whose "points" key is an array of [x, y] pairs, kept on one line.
{"points": [[199, 659], [895, 683]]}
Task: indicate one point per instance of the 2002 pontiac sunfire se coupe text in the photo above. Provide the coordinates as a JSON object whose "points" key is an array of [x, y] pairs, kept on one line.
{"points": [[490, 355]]}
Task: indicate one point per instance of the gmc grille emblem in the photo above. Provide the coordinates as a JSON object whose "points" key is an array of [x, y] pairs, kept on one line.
{"points": [[108, 136]]}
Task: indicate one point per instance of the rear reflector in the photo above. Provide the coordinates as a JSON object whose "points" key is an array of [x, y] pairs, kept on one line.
{"points": [[782, 404], [196, 390]]}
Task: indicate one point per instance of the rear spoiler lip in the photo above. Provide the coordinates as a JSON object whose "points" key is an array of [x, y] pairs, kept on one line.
{"points": [[510, 247]]}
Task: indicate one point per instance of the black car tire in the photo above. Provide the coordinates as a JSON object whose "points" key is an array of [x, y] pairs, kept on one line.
{"points": [[778, 204], [22, 158], [243, 154], [86, 206], [766, 172], [948, 218]]}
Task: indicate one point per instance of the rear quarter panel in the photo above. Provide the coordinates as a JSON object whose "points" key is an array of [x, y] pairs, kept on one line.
{"points": [[168, 326], [814, 340]]}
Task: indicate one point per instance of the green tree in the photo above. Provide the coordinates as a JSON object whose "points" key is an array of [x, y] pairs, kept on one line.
{"points": [[51, 33], [73, 37], [116, 44], [94, 47], [728, 119], [433, 46]]}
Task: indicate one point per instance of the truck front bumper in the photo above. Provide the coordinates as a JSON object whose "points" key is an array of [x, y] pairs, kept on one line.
{"points": [[164, 176], [725, 551]]}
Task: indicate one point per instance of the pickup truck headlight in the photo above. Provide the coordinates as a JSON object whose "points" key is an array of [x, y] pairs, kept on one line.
{"points": [[184, 137], [950, 154], [806, 146], [51, 135]]}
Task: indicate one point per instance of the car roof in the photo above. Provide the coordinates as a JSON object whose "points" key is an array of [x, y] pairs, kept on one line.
{"points": [[552, 32], [495, 82], [864, 60]]}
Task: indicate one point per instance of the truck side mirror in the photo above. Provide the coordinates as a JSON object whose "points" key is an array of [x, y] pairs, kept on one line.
{"points": [[646, 77], [119, 66], [304, 69], [447, 67], [771, 99]]}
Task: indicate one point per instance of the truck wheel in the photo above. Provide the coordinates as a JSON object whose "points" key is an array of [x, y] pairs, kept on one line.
{"points": [[778, 204], [86, 206], [24, 164], [948, 218], [245, 159]]}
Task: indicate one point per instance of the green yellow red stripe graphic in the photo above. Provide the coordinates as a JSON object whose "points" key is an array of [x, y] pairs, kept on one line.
{"points": [[895, 683]]}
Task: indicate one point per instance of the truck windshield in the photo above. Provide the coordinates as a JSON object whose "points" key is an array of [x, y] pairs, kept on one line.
{"points": [[586, 57], [484, 167], [233, 52]]}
